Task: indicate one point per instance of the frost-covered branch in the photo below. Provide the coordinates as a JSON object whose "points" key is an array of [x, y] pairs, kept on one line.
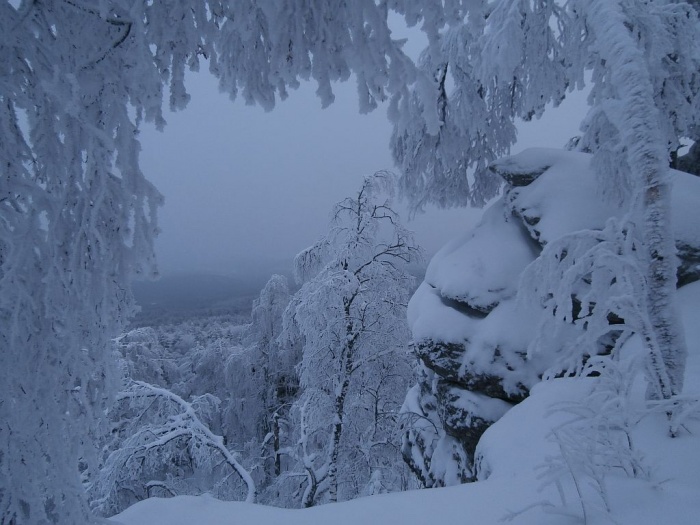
{"points": [[175, 419], [77, 216], [595, 441], [350, 318]]}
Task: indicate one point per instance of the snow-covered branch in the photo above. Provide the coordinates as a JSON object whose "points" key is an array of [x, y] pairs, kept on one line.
{"points": [[174, 419]]}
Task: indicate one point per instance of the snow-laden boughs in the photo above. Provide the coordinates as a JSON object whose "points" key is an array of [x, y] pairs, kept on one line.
{"points": [[503, 60], [77, 216], [592, 280], [643, 63], [241, 382], [647, 129], [595, 441], [261, 384], [76, 220], [591, 286], [661, 45], [144, 358], [498, 61], [349, 317], [509, 59], [164, 430]]}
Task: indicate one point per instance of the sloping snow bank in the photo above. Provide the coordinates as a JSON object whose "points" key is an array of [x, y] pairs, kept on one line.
{"points": [[481, 268]]}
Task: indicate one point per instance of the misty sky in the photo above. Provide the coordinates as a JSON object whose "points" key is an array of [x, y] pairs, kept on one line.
{"points": [[244, 187]]}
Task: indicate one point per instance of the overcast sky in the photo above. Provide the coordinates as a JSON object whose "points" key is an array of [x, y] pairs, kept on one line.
{"points": [[244, 187]]}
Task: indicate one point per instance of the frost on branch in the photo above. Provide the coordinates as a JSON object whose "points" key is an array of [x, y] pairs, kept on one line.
{"points": [[349, 318], [595, 441], [241, 383], [77, 219], [162, 428], [519, 56], [77, 216], [502, 61]]}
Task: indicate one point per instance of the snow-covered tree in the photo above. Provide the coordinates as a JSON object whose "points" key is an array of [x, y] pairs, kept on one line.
{"points": [[165, 433], [77, 216], [262, 384], [509, 59], [241, 382], [350, 318], [142, 357]]}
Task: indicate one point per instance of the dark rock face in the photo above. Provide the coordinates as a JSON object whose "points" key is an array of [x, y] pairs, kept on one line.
{"points": [[455, 402], [471, 377], [427, 448], [690, 162], [516, 176], [466, 415], [445, 359], [689, 267]]}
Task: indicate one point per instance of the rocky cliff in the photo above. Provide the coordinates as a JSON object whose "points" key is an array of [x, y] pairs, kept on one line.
{"points": [[472, 334]]}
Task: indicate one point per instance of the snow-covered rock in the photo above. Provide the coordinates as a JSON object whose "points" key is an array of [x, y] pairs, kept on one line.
{"points": [[555, 192], [466, 415], [472, 349], [562, 199], [481, 268], [471, 333], [467, 379]]}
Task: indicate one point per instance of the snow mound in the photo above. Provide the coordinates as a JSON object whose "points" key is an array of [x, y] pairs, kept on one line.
{"points": [[481, 268], [430, 317], [557, 194]]}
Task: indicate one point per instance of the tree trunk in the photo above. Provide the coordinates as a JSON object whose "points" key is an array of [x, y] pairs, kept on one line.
{"points": [[276, 444], [309, 497], [648, 162], [661, 279], [335, 444]]}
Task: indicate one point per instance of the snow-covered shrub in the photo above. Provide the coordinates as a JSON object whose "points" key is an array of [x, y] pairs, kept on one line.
{"points": [[164, 443]]}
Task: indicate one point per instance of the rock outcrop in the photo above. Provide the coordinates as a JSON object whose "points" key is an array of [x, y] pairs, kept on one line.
{"points": [[470, 331]]}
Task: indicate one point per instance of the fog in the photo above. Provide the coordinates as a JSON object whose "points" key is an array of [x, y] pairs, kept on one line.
{"points": [[245, 189]]}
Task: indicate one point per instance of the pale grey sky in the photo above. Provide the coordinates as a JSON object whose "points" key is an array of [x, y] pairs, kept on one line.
{"points": [[244, 187]]}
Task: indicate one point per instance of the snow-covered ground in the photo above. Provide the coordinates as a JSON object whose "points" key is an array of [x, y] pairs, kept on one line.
{"points": [[512, 453]]}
